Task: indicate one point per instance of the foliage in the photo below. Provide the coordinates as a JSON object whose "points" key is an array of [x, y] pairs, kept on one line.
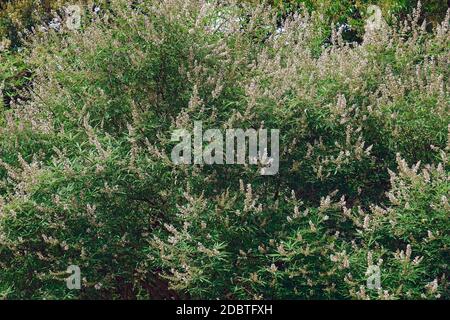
{"points": [[353, 13], [86, 177]]}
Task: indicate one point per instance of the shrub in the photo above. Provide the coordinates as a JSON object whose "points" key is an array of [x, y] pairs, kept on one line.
{"points": [[410, 234], [354, 13], [20, 16], [87, 181]]}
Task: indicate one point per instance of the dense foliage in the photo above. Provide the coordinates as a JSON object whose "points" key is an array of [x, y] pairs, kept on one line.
{"points": [[352, 11], [86, 177]]}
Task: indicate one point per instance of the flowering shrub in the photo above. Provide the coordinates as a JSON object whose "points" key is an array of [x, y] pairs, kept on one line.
{"points": [[87, 181], [20, 15], [352, 15]]}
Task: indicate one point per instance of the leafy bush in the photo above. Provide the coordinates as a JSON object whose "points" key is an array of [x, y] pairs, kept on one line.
{"points": [[87, 181], [19, 16], [354, 13], [18, 19]]}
